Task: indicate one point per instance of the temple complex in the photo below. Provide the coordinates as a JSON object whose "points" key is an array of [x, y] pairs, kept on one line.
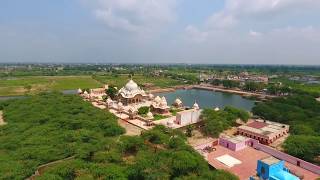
{"points": [[130, 98]]}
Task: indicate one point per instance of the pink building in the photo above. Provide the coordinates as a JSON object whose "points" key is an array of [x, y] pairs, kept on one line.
{"points": [[234, 143], [264, 131]]}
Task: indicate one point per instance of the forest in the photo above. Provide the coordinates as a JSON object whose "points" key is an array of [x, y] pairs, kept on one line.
{"points": [[52, 126], [301, 112]]}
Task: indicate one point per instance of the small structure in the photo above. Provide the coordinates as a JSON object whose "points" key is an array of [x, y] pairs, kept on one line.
{"points": [[273, 169], [196, 106], [235, 143], [187, 117], [264, 131], [131, 93], [178, 103], [160, 105], [79, 91], [150, 115], [217, 109]]}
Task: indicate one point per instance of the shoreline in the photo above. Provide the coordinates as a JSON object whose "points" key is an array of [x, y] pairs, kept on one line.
{"points": [[213, 88]]}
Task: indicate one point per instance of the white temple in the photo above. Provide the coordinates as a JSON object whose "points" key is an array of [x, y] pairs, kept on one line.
{"points": [[131, 93]]}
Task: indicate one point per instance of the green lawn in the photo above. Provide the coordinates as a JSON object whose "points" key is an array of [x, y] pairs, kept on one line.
{"points": [[121, 80], [19, 86]]}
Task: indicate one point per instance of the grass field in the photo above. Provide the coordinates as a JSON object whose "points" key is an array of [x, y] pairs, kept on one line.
{"points": [[121, 80], [33, 84]]}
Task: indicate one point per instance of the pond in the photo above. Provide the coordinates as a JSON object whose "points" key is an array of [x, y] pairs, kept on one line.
{"points": [[208, 99]]}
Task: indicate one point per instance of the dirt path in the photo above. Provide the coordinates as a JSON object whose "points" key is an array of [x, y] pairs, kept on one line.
{"points": [[1, 119], [41, 168], [131, 130]]}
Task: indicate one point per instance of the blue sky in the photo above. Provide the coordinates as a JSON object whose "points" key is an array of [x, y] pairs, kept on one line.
{"points": [[161, 31]]}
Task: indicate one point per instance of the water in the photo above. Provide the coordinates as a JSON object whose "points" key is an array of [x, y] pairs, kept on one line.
{"points": [[208, 99]]}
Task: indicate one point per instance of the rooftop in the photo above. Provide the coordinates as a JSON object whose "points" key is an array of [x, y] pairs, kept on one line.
{"points": [[263, 127], [270, 160], [249, 158]]}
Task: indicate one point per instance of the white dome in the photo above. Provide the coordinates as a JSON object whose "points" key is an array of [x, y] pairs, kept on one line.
{"points": [[151, 96], [178, 101], [131, 86], [157, 99], [85, 92], [195, 106], [109, 100], [79, 91], [149, 115], [170, 122], [120, 104], [216, 109]]}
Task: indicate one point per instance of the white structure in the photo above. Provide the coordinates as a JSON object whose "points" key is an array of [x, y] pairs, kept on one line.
{"points": [[160, 105], [188, 117], [131, 93], [196, 106], [178, 103], [79, 91]]}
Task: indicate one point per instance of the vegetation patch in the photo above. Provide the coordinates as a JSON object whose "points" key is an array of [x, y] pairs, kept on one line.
{"points": [[302, 113], [49, 127], [216, 122]]}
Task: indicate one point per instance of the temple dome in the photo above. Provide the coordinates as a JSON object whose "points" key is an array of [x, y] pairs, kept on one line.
{"points": [[157, 99], [79, 91], [131, 86], [177, 102], [150, 115], [195, 106]]}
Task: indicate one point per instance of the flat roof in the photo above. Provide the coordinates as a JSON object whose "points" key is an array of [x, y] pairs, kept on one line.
{"points": [[235, 139], [249, 158], [263, 127], [270, 160]]}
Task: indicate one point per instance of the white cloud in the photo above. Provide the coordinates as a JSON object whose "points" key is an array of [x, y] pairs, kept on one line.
{"points": [[195, 35], [255, 33], [236, 12], [134, 15]]}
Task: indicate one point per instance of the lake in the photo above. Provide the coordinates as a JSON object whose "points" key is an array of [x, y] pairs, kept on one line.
{"points": [[208, 99]]}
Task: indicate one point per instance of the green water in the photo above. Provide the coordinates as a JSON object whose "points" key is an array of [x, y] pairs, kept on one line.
{"points": [[208, 99]]}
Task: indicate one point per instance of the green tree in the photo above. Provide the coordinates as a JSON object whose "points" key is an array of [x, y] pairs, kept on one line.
{"points": [[143, 110], [111, 92]]}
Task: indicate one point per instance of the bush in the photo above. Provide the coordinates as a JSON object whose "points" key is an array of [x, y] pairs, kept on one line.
{"points": [[143, 110]]}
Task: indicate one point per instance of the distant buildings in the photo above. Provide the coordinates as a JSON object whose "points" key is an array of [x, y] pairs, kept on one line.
{"points": [[264, 131]]}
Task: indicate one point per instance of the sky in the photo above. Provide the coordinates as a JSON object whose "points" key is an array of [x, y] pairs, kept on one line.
{"points": [[161, 31]]}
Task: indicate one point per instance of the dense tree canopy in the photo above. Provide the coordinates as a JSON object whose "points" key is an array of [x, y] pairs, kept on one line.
{"points": [[48, 127], [160, 153], [52, 126], [217, 121], [302, 113]]}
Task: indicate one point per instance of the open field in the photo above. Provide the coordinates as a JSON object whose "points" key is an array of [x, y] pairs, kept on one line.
{"points": [[120, 80], [34, 84]]}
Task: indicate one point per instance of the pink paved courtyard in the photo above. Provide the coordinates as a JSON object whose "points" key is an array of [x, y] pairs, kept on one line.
{"points": [[249, 157]]}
